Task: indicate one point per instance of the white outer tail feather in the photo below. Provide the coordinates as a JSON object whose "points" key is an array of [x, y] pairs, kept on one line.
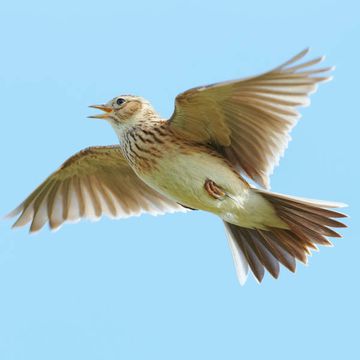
{"points": [[309, 222], [241, 265]]}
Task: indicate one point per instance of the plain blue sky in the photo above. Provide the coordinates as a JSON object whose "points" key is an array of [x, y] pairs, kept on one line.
{"points": [[165, 287]]}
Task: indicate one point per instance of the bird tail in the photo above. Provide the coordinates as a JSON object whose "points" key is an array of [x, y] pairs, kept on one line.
{"points": [[309, 223]]}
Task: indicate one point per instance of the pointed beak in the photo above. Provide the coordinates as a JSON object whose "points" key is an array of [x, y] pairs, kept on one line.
{"points": [[107, 111]]}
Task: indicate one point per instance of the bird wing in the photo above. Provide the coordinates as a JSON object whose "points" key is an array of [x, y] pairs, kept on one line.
{"points": [[93, 182], [249, 120]]}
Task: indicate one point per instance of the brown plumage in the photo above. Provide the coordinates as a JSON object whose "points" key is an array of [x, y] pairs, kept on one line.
{"points": [[218, 136], [94, 181], [308, 223]]}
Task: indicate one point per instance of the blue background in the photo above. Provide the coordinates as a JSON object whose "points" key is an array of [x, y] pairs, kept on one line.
{"points": [[165, 287]]}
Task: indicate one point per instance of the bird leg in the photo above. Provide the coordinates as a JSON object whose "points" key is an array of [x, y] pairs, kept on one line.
{"points": [[214, 190]]}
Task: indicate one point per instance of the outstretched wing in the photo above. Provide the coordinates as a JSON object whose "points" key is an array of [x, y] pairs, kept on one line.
{"points": [[249, 120], [93, 182]]}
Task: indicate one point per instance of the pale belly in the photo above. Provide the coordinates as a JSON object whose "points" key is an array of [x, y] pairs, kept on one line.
{"points": [[182, 176]]}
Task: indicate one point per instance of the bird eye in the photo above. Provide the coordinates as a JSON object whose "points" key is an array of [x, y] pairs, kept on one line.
{"points": [[120, 101]]}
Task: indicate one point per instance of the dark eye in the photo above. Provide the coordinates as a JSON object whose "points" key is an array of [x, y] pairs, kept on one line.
{"points": [[120, 101]]}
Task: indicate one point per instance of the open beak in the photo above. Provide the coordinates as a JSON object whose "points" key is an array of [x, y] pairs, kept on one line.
{"points": [[107, 111]]}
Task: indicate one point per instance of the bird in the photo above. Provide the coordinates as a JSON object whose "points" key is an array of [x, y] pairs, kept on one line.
{"points": [[215, 153]]}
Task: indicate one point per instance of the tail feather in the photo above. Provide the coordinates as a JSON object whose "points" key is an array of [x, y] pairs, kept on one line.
{"points": [[315, 217], [270, 241], [265, 256], [291, 244], [251, 254], [308, 222], [240, 262]]}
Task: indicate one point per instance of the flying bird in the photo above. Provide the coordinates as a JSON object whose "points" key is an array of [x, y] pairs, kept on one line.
{"points": [[215, 153]]}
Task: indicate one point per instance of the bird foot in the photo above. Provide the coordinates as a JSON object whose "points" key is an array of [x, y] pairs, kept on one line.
{"points": [[214, 190]]}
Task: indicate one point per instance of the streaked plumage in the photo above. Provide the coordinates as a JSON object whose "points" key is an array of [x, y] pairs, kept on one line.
{"points": [[217, 136]]}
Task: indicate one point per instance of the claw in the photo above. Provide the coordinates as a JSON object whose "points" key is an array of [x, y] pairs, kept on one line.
{"points": [[214, 190]]}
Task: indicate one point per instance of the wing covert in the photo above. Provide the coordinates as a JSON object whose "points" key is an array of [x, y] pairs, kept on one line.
{"points": [[249, 120], [93, 182]]}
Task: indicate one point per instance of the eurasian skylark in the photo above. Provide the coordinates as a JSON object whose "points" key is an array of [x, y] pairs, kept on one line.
{"points": [[198, 159]]}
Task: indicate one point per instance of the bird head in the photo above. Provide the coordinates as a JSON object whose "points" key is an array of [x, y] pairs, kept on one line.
{"points": [[125, 111]]}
